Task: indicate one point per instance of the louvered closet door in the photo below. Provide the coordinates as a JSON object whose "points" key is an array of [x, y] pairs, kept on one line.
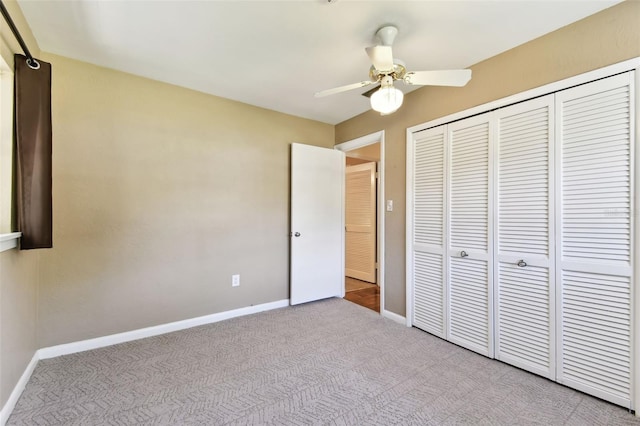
{"points": [[360, 222], [524, 290], [428, 236], [470, 251], [594, 259]]}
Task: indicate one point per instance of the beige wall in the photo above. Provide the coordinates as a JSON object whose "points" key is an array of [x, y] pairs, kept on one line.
{"points": [[352, 161], [18, 270], [368, 152], [160, 195], [18, 289], [605, 38]]}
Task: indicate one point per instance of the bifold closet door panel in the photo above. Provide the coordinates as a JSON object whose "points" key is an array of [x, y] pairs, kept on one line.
{"points": [[470, 236], [594, 261], [524, 290], [429, 280]]}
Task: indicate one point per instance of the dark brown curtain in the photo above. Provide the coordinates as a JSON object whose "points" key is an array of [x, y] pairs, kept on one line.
{"points": [[33, 153]]}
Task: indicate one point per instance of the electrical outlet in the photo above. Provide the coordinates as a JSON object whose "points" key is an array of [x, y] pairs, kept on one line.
{"points": [[235, 280]]}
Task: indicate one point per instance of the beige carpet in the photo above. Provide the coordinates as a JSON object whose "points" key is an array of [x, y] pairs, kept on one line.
{"points": [[298, 366]]}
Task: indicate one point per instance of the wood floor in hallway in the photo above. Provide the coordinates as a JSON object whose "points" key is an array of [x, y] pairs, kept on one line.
{"points": [[362, 293]]}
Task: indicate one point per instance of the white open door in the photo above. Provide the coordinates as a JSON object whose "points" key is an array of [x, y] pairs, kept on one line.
{"points": [[317, 223]]}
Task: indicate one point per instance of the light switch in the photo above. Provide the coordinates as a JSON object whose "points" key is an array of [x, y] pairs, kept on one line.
{"points": [[389, 205]]}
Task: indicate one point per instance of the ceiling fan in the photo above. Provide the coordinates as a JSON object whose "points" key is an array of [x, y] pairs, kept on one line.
{"points": [[385, 70]]}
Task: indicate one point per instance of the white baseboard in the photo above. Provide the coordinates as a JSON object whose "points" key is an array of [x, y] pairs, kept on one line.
{"points": [[394, 317], [100, 342], [17, 390], [114, 339]]}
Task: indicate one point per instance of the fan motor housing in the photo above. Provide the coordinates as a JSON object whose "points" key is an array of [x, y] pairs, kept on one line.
{"points": [[398, 73]]}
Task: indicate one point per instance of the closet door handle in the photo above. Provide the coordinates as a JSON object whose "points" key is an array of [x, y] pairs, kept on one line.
{"points": [[521, 263], [464, 254]]}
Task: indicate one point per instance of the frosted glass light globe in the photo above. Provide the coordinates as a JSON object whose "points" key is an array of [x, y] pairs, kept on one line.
{"points": [[387, 100]]}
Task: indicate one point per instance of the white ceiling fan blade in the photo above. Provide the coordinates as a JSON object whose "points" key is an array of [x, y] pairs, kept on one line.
{"points": [[381, 57], [438, 78], [343, 88]]}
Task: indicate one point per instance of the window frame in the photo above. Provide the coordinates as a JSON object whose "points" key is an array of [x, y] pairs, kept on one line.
{"points": [[8, 238]]}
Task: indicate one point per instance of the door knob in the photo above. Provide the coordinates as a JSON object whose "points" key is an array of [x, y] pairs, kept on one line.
{"points": [[521, 263], [297, 234], [464, 254]]}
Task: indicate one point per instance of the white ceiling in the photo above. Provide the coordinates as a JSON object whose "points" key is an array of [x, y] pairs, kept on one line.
{"points": [[277, 54]]}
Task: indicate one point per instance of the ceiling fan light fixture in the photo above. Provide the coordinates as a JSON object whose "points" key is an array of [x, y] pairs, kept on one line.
{"points": [[386, 69], [387, 100]]}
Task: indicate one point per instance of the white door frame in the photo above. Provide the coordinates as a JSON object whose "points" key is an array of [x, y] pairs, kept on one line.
{"points": [[377, 137]]}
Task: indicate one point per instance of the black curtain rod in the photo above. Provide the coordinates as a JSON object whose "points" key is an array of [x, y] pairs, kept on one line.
{"points": [[30, 61]]}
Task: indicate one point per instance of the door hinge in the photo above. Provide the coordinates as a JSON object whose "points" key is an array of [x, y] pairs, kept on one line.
{"points": [[377, 175]]}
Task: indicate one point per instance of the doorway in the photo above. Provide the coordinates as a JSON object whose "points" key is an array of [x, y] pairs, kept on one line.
{"points": [[364, 221]]}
